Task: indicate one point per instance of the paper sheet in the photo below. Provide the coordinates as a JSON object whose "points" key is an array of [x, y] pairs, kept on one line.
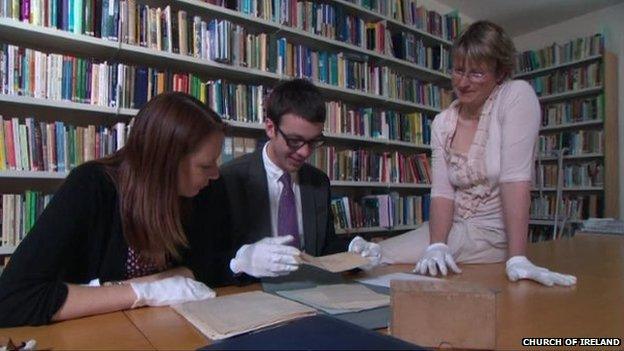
{"points": [[338, 298], [230, 315], [384, 280], [335, 263]]}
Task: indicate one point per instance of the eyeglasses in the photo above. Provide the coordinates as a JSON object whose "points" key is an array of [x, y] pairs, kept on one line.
{"points": [[475, 77], [297, 143]]}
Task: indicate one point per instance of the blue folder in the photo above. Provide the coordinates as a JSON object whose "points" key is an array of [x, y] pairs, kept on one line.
{"points": [[318, 332]]}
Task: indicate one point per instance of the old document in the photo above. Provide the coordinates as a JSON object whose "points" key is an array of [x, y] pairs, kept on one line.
{"points": [[230, 315], [335, 263], [338, 298]]}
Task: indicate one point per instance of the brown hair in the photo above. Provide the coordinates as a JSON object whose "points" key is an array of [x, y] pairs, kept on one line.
{"points": [[298, 96], [145, 171], [486, 41]]}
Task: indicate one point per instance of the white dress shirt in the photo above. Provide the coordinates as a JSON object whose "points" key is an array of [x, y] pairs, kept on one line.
{"points": [[273, 173]]}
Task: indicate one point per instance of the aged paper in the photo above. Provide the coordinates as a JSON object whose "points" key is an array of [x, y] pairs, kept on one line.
{"points": [[338, 298], [335, 263], [230, 315], [384, 280]]}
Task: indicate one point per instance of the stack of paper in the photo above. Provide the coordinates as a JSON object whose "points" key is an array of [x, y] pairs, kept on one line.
{"points": [[230, 315], [338, 298]]}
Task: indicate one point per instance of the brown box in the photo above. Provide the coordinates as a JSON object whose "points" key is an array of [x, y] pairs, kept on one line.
{"points": [[443, 314]]}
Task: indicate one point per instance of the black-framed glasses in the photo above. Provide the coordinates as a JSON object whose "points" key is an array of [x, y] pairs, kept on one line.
{"points": [[297, 143]]}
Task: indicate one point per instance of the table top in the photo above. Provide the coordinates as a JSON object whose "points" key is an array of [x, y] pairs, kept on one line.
{"points": [[592, 308]]}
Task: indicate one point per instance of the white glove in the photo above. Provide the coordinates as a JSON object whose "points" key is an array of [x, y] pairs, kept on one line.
{"points": [[437, 256], [519, 267], [170, 291], [268, 257], [368, 250]]}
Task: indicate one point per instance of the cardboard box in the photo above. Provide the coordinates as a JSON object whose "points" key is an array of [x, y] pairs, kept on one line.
{"points": [[443, 314]]}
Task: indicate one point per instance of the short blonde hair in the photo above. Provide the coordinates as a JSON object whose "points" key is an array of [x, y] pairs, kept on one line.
{"points": [[486, 41]]}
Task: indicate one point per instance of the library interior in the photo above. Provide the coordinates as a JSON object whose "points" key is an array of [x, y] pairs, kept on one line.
{"points": [[297, 174]]}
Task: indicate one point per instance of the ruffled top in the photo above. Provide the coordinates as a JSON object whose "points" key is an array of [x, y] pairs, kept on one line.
{"points": [[467, 171]]}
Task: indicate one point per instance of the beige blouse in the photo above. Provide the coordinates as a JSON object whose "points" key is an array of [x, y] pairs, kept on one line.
{"points": [[502, 151]]}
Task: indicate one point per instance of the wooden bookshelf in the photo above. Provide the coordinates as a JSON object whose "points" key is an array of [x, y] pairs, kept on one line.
{"points": [[611, 128]]}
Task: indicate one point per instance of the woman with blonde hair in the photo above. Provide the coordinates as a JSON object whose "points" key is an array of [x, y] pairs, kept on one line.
{"points": [[482, 163]]}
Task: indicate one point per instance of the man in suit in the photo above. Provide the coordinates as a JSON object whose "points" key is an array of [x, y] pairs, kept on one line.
{"points": [[280, 205]]}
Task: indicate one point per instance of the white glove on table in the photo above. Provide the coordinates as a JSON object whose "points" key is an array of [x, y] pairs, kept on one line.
{"points": [[368, 250], [268, 257], [437, 257], [519, 267], [170, 291]]}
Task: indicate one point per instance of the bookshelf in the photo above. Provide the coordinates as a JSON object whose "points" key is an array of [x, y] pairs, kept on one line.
{"points": [[425, 78], [577, 87]]}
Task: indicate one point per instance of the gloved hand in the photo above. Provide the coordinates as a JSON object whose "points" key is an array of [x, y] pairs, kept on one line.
{"points": [[519, 267], [268, 257], [170, 291], [368, 250], [437, 256]]}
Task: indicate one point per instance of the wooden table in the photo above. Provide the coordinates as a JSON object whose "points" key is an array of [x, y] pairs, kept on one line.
{"points": [[592, 308]]}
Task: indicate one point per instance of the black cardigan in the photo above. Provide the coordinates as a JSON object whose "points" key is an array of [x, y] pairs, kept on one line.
{"points": [[78, 238]]}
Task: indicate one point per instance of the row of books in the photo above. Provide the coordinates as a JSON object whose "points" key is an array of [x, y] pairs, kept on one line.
{"points": [[90, 17], [19, 213], [177, 31], [577, 143], [60, 77], [584, 174], [570, 79], [372, 166], [387, 211], [234, 147], [30, 145], [555, 54], [27, 145], [573, 207], [324, 19], [412, 127], [409, 13], [572, 111], [407, 47]]}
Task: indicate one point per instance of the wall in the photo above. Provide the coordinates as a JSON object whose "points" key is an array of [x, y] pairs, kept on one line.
{"points": [[610, 22]]}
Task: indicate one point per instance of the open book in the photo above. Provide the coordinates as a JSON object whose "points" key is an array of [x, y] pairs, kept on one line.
{"points": [[230, 315]]}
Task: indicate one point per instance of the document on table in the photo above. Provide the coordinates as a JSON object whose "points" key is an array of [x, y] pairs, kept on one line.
{"points": [[338, 298], [226, 316], [384, 280], [335, 263]]}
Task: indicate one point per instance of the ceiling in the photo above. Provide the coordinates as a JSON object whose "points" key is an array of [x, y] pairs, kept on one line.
{"points": [[518, 17]]}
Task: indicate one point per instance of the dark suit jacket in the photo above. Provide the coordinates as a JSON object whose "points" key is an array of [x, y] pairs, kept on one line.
{"points": [[250, 212]]}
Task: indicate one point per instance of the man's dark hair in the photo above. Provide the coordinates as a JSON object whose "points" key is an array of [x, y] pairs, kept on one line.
{"points": [[299, 97]]}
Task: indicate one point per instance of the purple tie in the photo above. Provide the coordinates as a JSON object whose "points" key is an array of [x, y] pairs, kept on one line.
{"points": [[287, 212]]}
